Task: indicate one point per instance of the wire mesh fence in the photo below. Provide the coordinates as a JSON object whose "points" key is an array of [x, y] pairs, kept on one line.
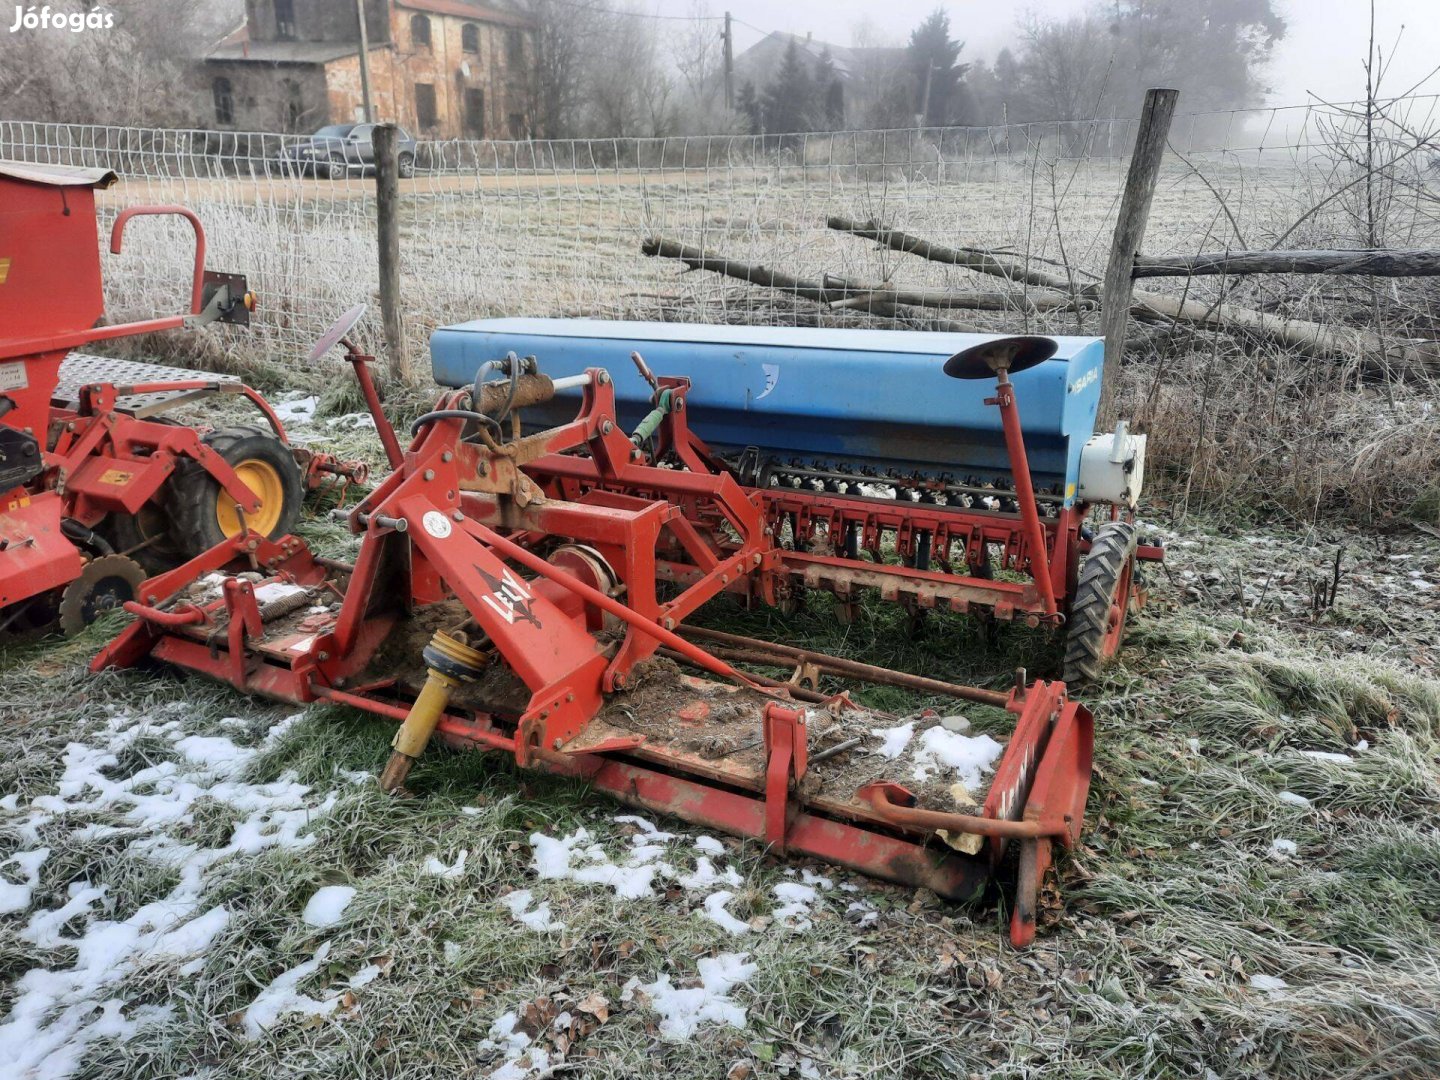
{"points": [[556, 228]]}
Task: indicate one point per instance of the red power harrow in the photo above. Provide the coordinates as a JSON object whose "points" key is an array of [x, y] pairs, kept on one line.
{"points": [[546, 578]]}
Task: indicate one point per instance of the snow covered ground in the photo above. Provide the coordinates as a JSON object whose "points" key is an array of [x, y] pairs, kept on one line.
{"points": [[195, 884]]}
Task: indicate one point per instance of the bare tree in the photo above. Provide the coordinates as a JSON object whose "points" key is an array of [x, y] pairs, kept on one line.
{"points": [[879, 95], [699, 57], [133, 72]]}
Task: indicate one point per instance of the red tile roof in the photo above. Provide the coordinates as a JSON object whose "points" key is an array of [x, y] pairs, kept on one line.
{"points": [[466, 10]]}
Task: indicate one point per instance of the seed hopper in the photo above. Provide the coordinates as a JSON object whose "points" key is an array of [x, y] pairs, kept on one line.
{"points": [[527, 572]]}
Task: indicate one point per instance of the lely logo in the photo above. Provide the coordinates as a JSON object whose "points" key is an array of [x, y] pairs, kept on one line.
{"points": [[42, 18]]}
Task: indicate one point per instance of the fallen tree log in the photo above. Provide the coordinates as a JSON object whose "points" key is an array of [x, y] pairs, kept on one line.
{"points": [[1376, 355], [840, 293], [1369, 262], [980, 261]]}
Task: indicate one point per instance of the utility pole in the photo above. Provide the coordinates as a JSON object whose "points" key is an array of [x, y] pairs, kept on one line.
{"points": [[728, 35], [925, 98], [364, 63]]}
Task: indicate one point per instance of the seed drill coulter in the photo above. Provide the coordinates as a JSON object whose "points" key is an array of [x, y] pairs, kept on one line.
{"points": [[527, 570]]}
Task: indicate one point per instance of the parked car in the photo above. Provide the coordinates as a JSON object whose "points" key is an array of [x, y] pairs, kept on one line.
{"points": [[337, 150]]}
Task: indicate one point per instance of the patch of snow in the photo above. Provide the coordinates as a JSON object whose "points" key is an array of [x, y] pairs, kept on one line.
{"points": [[709, 845], [539, 919], [967, 755], [716, 913], [797, 901], [297, 411], [521, 1058], [16, 897], [1282, 849], [10, 803], [862, 914], [351, 421], [1362, 745], [705, 876], [282, 998], [650, 832], [683, 1010], [57, 1013], [1194, 745], [1292, 799], [327, 907], [1327, 755], [575, 858], [895, 739], [365, 976], [449, 872], [217, 755], [1267, 982]]}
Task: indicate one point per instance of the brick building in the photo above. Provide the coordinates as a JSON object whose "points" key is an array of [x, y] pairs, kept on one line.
{"points": [[442, 68]]}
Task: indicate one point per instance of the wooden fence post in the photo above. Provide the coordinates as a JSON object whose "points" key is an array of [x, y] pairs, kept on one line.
{"points": [[386, 142], [1150, 139]]}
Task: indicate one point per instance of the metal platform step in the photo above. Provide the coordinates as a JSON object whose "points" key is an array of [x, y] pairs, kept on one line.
{"points": [[79, 369]]}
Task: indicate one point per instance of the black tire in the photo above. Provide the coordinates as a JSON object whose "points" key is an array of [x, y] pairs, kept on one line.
{"points": [[1090, 640], [146, 536], [195, 494], [407, 166]]}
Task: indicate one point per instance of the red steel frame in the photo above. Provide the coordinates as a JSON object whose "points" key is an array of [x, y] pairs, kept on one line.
{"points": [[461, 518], [101, 461]]}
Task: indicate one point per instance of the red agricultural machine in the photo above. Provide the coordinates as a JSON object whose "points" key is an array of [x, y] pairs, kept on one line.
{"points": [[98, 487], [523, 586]]}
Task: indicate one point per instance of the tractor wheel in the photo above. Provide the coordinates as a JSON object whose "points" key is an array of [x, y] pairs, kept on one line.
{"points": [[104, 584], [203, 513], [1102, 600], [146, 536]]}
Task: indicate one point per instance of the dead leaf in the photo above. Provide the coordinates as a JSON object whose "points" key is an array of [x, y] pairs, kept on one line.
{"points": [[597, 1005]]}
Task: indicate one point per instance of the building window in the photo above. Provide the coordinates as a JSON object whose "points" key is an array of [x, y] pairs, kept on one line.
{"points": [[425, 114], [285, 19], [470, 37], [475, 111], [419, 32], [224, 95], [514, 47]]}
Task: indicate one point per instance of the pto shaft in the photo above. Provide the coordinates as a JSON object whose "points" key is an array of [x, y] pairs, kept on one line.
{"points": [[451, 663]]}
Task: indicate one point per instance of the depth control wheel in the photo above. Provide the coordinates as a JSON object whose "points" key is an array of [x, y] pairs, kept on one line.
{"points": [[1102, 602], [203, 512]]}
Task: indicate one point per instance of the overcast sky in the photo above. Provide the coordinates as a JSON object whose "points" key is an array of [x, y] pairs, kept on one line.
{"points": [[1321, 54]]}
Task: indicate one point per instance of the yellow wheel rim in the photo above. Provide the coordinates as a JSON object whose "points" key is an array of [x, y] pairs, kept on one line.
{"points": [[262, 478]]}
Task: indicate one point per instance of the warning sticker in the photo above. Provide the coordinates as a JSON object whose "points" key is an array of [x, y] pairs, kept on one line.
{"points": [[12, 376], [4, 270], [116, 477]]}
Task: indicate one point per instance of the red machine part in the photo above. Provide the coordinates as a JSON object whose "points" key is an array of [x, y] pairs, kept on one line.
{"points": [[82, 464], [468, 517]]}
